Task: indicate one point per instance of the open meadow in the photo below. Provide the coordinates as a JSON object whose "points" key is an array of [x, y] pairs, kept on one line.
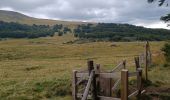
{"points": [[41, 68]]}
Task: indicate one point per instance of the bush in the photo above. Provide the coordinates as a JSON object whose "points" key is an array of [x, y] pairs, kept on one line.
{"points": [[166, 50], [60, 33]]}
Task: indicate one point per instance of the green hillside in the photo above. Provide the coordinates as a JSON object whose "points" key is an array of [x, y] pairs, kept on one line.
{"points": [[11, 16], [120, 32], [90, 31]]}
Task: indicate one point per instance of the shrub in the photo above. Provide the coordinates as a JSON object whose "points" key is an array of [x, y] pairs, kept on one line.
{"points": [[166, 50]]}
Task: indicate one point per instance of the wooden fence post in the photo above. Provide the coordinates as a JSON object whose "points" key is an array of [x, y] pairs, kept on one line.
{"points": [[146, 64], [141, 59], [124, 64], [94, 89], [139, 81], [90, 66], [124, 84], [149, 54], [97, 77], [93, 86], [74, 87], [137, 62], [97, 69]]}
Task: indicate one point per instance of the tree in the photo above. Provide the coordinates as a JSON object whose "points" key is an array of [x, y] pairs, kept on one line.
{"points": [[165, 18], [57, 27], [120, 32], [60, 33], [66, 29], [166, 49], [16, 30], [161, 2]]}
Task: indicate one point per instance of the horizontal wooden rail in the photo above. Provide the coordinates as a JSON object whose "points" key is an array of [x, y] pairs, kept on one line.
{"points": [[84, 74], [132, 74], [102, 74], [109, 75]]}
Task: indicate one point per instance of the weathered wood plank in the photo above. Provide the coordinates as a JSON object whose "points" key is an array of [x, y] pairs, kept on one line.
{"points": [[116, 84], [143, 91], [139, 80], [108, 75], [97, 71], [124, 64], [124, 84], [132, 74], [90, 64], [85, 94], [83, 74], [137, 62], [146, 61], [141, 59], [105, 86], [102, 74], [94, 90], [119, 66], [74, 87], [133, 94]]}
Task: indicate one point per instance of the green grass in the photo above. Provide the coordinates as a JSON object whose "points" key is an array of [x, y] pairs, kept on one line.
{"points": [[42, 68]]}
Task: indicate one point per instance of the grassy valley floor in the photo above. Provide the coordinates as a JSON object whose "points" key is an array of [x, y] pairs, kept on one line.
{"points": [[42, 68]]}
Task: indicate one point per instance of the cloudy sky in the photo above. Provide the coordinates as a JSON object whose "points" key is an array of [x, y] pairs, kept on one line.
{"points": [[137, 12]]}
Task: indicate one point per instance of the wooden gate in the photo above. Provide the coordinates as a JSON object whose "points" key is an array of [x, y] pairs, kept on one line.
{"points": [[96, 84]]}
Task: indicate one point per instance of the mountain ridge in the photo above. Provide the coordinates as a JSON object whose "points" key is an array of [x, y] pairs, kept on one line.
{"points": [[13, 16]]}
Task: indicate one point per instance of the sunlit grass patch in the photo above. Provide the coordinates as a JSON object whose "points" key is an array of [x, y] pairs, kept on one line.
{"points": [[42, 68]]}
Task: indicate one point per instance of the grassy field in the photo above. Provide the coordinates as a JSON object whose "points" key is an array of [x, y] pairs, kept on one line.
{"points": [[41, 68]]}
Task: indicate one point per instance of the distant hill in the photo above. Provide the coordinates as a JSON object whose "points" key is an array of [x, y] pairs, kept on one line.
{"points": [[120, 32], [89, 31], [11, 16], [16, 30]]}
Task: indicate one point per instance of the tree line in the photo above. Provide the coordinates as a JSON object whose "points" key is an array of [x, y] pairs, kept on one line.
{"points": [[101, 31], [16, 30], [120, 32]]}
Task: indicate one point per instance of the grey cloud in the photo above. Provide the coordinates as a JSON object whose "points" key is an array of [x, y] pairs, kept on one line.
{"points": [[123, 11]]}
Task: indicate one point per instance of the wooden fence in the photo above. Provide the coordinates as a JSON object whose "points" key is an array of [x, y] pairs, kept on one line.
{"points": [[96, 84]]}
